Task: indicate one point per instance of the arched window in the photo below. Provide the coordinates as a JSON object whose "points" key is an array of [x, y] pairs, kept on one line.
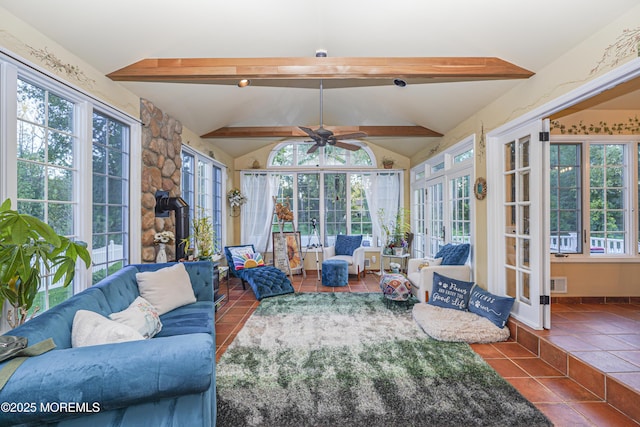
{"points": [[295, 154]]}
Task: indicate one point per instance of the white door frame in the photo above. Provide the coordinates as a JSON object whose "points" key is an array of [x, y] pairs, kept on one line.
{"points": [[528, 263], [624, 73]]}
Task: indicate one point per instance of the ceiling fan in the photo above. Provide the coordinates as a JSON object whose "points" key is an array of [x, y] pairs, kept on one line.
{"points": [[322, 136]]}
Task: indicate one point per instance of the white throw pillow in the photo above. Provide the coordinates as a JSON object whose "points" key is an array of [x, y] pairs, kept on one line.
{"points": [[167, 288], [90, 328], [429, 262], [141, 316]]}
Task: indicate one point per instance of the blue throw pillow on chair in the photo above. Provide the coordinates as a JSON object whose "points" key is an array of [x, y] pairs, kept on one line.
{"points": [[345, 245], [454, 254]]}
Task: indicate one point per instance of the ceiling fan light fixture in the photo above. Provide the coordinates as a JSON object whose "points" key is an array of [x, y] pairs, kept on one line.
{"points": [[244, 83], [399, 82]]}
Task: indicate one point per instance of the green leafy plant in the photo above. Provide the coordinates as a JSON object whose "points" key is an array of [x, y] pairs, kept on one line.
{"points": [[29, 250], [203, 236], [395, 229]]}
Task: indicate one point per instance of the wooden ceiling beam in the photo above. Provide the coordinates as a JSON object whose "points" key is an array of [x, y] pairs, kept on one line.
{"points": [[229, 70], [293, 131]]}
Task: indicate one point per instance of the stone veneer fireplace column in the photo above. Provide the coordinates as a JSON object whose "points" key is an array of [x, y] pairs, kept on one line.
{"points": [[161, 170]]}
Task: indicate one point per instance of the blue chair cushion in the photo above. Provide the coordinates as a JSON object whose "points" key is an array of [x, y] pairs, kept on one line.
{"points": [[454, 254], [266, 281], [345, 245], [450, 293], [189, 319], [494, 307]]}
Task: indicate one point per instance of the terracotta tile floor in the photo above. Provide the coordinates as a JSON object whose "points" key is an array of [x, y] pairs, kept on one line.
{"points": [[606, 335]]}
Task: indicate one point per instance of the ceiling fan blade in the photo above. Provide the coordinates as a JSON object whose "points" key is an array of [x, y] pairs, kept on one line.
{"points": [[355, 135], [308, 131], [317, 138], [347, 146], [313, 149]]}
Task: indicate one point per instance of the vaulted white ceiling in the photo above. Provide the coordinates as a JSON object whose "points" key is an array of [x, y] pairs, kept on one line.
{"points": [[112, 35]]}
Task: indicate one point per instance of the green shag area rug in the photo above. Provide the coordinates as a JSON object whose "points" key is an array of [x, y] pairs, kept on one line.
{"points": [[346, 359]]}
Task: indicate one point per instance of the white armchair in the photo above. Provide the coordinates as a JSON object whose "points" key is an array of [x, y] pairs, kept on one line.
{"points": [[355, 261], [422, 280]]}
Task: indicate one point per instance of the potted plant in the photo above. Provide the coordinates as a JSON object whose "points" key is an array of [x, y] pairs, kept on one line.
{"points": [[203, 237], [387, 163], [395, 230], [30, 249]]}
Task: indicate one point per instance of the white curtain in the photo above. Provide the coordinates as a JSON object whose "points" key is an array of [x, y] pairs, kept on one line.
{"points": [[257, 213], [382, 191]]}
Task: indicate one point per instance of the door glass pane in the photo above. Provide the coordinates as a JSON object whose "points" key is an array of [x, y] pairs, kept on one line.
{"points": [[524, 252], [524, 152], [511, 282], [510, 188], [510, 251], [419, 224], [524, 191], [525, 294], [523, 228], [510, 220], [436, 220], [509, 156]]}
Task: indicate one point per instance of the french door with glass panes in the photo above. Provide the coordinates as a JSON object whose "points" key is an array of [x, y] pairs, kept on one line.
{"points": [[435, 232], [520, 267], [419, 226]]}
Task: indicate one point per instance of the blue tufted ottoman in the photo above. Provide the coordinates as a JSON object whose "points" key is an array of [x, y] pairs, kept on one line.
{"points": [[335, 272]]}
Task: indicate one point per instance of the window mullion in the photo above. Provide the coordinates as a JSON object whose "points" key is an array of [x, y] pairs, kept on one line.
{"points": [[83, 184]]}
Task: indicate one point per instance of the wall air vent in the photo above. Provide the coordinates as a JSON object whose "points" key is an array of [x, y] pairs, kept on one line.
{"points": [[559, 285]]}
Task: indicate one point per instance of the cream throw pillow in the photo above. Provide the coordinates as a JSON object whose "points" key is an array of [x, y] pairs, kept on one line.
{"points": [[429, 262], [141, 316], [167, 288], [90, 328]]}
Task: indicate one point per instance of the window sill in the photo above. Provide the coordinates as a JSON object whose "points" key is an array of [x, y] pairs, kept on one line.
{"points": [[581, 259]]}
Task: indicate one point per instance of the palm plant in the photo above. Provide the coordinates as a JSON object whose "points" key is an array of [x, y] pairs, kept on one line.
{"points": [[30, 249]]}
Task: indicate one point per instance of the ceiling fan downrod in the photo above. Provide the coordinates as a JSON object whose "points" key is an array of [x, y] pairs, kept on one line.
{"points": [[321, 109]]}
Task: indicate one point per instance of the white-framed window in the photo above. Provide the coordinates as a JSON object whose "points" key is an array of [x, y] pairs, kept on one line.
{"points": [[441, 199], [65, 159], [110, 225], [203, 183], [335, 201], [593, 186]]}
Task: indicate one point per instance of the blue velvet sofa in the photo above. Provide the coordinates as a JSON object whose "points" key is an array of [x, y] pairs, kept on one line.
{"points": [[168, 380]]}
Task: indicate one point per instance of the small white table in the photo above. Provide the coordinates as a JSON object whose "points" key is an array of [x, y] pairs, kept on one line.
{"points": [[404, 259]]}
